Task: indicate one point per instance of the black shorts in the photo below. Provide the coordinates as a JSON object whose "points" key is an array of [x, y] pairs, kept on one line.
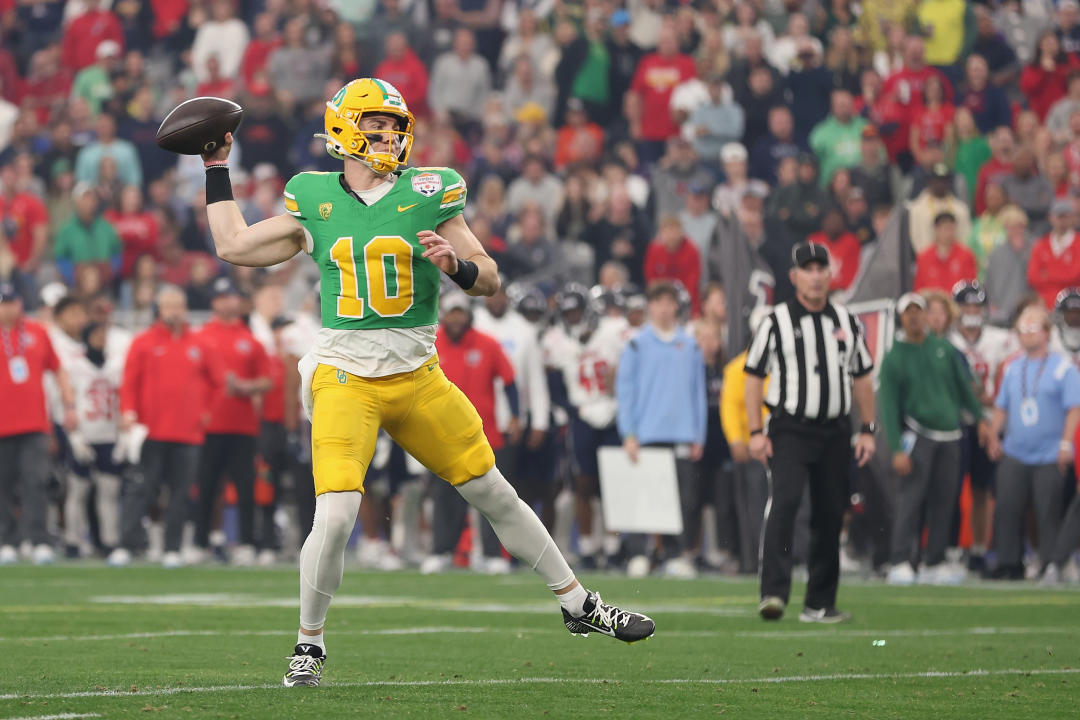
{"points": [[102, 462], [975, 462], [586, 441]]}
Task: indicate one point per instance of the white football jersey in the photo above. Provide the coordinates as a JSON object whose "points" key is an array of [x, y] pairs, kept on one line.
{"points": [[1057, 344], [67, 350], [97, 398], [986, 355], [589, 372], [517, 336]]}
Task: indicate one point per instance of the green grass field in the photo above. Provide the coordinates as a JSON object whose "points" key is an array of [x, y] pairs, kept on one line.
{"points": [[89, 641]]}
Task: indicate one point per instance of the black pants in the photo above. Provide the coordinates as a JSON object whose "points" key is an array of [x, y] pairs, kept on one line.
{"points": [[24, 473], [274, 450], [162, 463], [818, 455], [234, 456]]}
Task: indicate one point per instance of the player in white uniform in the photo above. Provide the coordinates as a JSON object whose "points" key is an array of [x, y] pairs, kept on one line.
{"points": [[1065, 335], [95, 379], [985, 348]]}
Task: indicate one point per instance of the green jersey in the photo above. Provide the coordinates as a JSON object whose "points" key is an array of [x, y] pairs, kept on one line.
{"points": [[373, 275]]}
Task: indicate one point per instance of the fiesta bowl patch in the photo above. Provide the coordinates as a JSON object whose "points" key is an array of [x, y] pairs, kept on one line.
{"points": [[427, 183]]}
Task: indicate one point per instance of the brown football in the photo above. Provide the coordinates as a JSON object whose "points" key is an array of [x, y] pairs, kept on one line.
{"points": [[199, 125]]}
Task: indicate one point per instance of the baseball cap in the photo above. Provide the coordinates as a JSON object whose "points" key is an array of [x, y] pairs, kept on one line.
{"points": [[7, 292], [807, 252], [107, 48], [940, 170], [733, 151], [698, 188], [455, 300], [224, 286], [620, 17], [908, 299], [51, 293], [1061, 206]]}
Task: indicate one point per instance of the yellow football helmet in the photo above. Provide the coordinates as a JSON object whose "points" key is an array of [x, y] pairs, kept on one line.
{"points": [[343, 136]]}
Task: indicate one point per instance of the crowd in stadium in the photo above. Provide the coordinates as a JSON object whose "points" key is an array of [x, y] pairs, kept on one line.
{"points": [[642, 166]]}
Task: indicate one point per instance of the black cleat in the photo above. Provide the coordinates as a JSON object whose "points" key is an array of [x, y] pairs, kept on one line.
{"points": [[609, 620], [305, 666]]}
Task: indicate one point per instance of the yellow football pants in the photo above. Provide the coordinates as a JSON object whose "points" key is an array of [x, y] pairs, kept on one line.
{"points": [[422, 411]]}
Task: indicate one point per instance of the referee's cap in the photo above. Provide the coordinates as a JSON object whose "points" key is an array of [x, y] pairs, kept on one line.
{"points": [[808, 252], [908, 299]]}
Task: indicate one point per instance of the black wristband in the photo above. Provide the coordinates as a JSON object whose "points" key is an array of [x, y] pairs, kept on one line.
{"points": [[465, 277], [759, 431], [218, 185]]}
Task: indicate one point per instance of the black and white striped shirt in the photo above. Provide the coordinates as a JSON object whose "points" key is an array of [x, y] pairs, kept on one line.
{"points": [[810, 358]]}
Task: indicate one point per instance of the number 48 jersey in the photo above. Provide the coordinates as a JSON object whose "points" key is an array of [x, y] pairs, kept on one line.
{"points": [[373, 275]]}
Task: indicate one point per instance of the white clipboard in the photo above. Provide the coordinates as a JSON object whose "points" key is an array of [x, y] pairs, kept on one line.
{"points": [[641, 497]]}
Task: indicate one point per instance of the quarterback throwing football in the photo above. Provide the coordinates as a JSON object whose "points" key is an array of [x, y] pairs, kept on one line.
{"points": [[381, 233]]}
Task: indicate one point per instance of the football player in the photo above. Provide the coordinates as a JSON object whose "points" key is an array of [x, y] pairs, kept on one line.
{"points": [[381, 234], [985, 348], [1065, 337]]}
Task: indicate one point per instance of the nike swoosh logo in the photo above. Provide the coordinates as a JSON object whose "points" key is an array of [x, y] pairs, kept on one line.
{"points": [[403, 208]]}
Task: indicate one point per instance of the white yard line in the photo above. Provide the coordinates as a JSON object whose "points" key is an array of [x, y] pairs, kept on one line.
{"points": [[266, 633], [61, 716], [773, 680], [817, 634]]}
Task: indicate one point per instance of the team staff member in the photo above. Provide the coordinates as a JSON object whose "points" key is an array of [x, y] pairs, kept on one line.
{"points": [[234, 419], [816, 358], [168, 381], [473, 361], [26, 354], [273, 439]]}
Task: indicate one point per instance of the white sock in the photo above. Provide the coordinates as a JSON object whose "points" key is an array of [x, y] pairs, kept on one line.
{"points": [[322, 559], [302, 639], [574, 601], [518, 528]]}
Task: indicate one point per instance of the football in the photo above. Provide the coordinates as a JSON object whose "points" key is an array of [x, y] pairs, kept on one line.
{"points": [[199, 125]]}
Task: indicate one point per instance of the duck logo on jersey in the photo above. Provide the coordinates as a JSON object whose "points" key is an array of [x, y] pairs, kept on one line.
{"points": [[427, 184]]}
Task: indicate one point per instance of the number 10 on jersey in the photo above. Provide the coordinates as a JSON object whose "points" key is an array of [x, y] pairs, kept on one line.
{"points": [[387, 263]]}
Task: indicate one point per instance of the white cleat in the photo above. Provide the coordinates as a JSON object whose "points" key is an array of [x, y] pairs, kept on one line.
{"points": [[901, 574], [120, 557], [243, 556], [8, 555], [940, 574], [193, 555], [172, 561], [638, 567], [435, 564], [1051, 576], [267, 558], [680, 568], [1070, 573], [43, 555]]}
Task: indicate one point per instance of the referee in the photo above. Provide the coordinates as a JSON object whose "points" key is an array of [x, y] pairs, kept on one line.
{"points": [[816, 358]]}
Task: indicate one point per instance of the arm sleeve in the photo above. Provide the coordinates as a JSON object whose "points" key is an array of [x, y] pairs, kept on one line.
{"points": [[888, 402], [732, 403], [512, 398], [452, 199], [762, 347], [625, 382]]}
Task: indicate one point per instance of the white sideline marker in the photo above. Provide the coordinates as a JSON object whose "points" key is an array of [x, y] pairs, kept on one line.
{"points": [[774, 680]]}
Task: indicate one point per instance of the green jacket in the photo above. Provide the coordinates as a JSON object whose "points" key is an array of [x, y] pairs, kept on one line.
{"points": [[927, 383], [837, 145], [78, 243]]}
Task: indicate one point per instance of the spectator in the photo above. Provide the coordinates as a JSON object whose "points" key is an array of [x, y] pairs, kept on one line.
{"points": [[672, 256], [1055, 259], [843, 246], [923, 390], [139, 126], [844, 59], [986, 101], [233, 426], [580, 140], [621, 234], [728, 196], [810, 86], [660, 386], [774, 146], [836, 141], [872, 174], [584, 70], [223, 36], [987, 232], [533, 254], [716, 122], [1038, 412], [1043, 81], [654, 80], [1006, 269], [990, 45], [799, 206], [460, 82], [947, 261], [168, 381], [87, 237], [136, 227], [85, 33], [1058, 119], [783, 51], [933, 122], [299, 71], [679, 168], [402, 68], [698, 220], [760, 96], [107, 144], [1068, 22], [475, 363], [526, 88], [972, 150], [262, 46], [906, 86], [527, 40], [25, 222], [1029, 190], [624, 54], [265, 132], [215, 84], [93, 83], [28, 355], [937, 198], [535, 186], [948, 31], [749, 33]]}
